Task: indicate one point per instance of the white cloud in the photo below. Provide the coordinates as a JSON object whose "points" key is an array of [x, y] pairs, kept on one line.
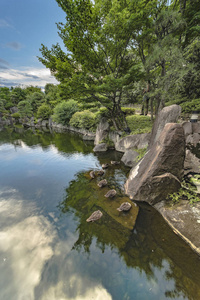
{"points": [[4, 23], [26, 76]]}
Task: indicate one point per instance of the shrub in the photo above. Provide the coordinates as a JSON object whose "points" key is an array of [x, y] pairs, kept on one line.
{"points": [[16, 115], [84, 119], [25, 109], [2, 105], [64, 111], [92, 106], [128, 110], [102, 112], [44, 112], [188, 107], [139, 124]]}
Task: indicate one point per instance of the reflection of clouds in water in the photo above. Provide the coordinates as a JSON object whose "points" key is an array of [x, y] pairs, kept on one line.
{"points": [[25, 247], [65, 276], [55, 293], [31, 268]]}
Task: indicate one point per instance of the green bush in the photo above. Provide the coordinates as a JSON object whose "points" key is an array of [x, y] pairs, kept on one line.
{"points": [[64, 111], [102, 112], [16, 115], [92, 106], [128, 110], [139, 124], [84, 119], [25, 109], [188, 107], [44, 111]]}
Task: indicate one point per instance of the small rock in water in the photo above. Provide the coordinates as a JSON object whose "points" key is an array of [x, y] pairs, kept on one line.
{"points": [[96, 215], [110, 194], [92, 174], [105, 166], [125, 206], [114, 162], [102, 183], [100, 172]]}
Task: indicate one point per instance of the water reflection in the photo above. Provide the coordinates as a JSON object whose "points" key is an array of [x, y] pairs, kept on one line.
{"points": [[49, 251], [169, 265]]}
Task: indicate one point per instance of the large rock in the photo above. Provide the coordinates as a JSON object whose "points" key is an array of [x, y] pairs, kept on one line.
{"points": [[129, 158], [102, 131], [192, 133], [160, 171], [168, 114], [184, 220], [137, 141], [100, 147], [191, 163], [193, 139]]}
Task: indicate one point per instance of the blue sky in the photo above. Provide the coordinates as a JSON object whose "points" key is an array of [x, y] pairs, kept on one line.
{"points": [[24, 25]]}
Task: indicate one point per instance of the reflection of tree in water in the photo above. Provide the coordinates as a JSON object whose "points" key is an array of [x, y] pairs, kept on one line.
{"points": [[64, 142], [149, 246]]}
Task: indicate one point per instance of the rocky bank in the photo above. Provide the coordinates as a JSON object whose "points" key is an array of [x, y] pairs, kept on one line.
{"points": [[161, 170]]}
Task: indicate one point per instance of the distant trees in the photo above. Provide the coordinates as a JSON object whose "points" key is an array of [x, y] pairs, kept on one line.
{"points": [[30, 101]]}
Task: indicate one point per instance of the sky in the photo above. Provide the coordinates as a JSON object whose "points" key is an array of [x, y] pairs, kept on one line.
{"points": [[24, 26]]}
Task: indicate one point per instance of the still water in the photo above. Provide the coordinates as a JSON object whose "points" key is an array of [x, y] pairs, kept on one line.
{"points": [[47, 249]]}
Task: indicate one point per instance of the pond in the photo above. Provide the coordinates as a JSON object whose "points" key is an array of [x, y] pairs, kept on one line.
{"points": [[47, 249]]}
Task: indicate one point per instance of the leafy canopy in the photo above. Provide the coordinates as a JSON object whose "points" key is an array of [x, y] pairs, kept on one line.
{"points": [[98, 63]]}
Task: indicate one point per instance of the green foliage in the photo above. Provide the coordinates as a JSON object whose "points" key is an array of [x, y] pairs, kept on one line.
{"points": [[44, 112], [92, 106], [2, 105], [103, 112], [36, 99], [141, 154], [188, 107], [128, 110], [16, 115], [109, 143], [25, 109], [186, 192], [32, 89], [64, 111], [139, 124], [98, 62], [16, 95], [84, 119], [53, 95]]}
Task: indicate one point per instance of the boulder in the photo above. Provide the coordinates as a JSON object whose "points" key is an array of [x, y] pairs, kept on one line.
{"points": [[184, 220], [100, 147], [44, 123], [191, 163], [193, 139], [187, 127], [88, 137], [13, 109], [129, 158], [136, 141], [32, 123], [102, 131], [169, 114], [196, 127], [160, 171]]}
